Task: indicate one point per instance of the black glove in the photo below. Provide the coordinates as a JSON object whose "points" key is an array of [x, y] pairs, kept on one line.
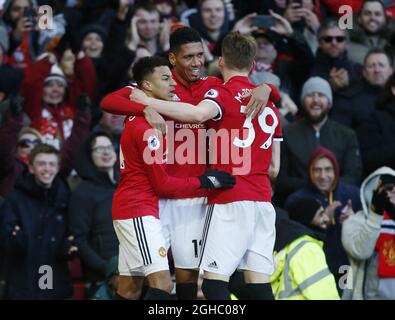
{"points": [[83, 103], [217, 179], [379, 201]]}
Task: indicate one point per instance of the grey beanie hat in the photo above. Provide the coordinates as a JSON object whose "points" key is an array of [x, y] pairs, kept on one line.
{"points": [[317, 84]]}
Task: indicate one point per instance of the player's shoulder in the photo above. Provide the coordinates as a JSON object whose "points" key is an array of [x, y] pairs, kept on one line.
{"points": [[136, 124], [211, 80]]}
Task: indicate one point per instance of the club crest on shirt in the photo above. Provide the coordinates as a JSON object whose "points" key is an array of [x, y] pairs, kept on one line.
{"points": [[211, 94], [162, 252], [153, 143]]}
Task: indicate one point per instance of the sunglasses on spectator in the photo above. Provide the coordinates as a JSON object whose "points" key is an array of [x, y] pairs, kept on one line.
{"points": [[329, 39], [26, 143], [103, 149]]}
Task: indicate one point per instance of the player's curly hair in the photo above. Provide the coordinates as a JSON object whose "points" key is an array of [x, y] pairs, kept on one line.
{"points": [[182, 36]]}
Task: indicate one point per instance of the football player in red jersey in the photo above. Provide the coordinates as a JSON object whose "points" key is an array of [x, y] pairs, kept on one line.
{"points": [[246, 210], [135, 208], [183, 213]]}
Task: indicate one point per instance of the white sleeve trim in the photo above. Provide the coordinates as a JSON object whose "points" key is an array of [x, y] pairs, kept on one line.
{"points": [[278, 139], [217, 105]]}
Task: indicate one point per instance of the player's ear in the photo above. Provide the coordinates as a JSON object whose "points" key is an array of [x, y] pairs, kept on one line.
{"points": [[172, 58], [146, 85], [253, 66], [221, 61]]}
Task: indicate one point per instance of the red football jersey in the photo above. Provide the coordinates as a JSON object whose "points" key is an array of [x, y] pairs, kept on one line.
{"points": [[241, 146], [143, 176], [187, 158]]}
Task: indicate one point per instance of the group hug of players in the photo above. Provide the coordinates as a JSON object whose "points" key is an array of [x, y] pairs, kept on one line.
{"points": [[213, 216]]}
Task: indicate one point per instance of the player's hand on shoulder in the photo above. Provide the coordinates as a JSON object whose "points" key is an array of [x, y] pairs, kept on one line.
{"points": [[139, 96], [217, 179], [155, 120]]}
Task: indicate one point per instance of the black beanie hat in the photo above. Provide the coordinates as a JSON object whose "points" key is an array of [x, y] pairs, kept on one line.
{"points": [[303, 210]]}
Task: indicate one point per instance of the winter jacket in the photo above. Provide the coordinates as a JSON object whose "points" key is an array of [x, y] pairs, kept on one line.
{"points": [[41, 215], [301, 270], [361, 42], [376, 138], [355, 104], [359, 236], [324, 63], [90, 216], [301, 139]]}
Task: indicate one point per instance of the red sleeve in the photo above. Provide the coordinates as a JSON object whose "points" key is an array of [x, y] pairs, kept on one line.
{"points": [[274, 94], [219, 95], [164, 185], [118, 102], [32, 87], [84, 80]]}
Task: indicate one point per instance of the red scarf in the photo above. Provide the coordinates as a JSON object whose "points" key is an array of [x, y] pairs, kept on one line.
{"points": [[385, 245]]}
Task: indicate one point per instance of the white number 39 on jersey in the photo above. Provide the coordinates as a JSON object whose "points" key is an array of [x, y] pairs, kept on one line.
{"points": [[269, 129]]}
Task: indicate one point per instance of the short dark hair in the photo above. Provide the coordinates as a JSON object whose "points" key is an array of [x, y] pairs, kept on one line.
{"points": [[145, 66], [92, 139], [329, 24], [43, 148], [182, 36], [238, 50], [147, 6], [379, 51]]}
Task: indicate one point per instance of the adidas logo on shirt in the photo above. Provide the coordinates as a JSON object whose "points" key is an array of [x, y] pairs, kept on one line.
{"points": [[213, 265]]}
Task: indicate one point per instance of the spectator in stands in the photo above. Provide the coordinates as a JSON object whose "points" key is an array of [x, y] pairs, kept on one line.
{"points": [[90, 208], [301, 269], [50, 94], [315, 129], [376, 134], [34, 231], [17, 143], [284, 51], [113, 125], [351, 107], [372, 30], [4, 43], [332, 62], [19, 17], [304, 18], [212, 22], [340, 200], [368, 238], [11, 122], [93, 38], [146, 30]]}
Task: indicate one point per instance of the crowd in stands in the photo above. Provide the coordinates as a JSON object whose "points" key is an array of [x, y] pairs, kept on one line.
{"points": [[59, 166]]}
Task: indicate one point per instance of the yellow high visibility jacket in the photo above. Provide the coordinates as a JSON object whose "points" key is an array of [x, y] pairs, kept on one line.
{"points": [[302, 272]]}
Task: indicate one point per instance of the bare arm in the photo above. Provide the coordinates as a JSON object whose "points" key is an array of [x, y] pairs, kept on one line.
{"points": [[180, 111], [275, 163]]}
